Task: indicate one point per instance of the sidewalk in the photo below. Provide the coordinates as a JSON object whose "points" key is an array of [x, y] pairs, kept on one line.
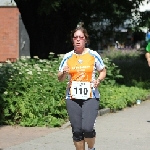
{"points": [[124, 130]]}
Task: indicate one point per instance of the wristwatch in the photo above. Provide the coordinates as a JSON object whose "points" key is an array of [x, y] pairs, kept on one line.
{"points": [[99, 79]]}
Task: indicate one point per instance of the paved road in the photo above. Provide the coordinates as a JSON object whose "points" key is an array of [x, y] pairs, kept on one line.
{"points": [[124, 130]]}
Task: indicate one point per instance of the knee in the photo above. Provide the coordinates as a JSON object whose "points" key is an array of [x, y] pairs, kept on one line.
{"points": [[78, 136], [91, 134]]}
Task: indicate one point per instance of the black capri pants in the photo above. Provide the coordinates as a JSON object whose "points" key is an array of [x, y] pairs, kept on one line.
{"points": [[82, 116]]}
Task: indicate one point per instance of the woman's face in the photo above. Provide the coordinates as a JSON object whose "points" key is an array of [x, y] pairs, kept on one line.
{"points": [[79, 41]]}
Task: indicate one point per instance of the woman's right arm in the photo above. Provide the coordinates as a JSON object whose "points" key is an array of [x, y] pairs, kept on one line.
{"points": [[61, 76], [63, 69], [63, 73]]}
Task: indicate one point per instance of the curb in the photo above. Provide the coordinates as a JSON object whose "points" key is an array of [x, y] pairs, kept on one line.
{"points": [[101, 112], [104, 111], [66, 125]]}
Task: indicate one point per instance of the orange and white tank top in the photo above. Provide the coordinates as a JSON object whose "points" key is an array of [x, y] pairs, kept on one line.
{"points": [[82, 69]]}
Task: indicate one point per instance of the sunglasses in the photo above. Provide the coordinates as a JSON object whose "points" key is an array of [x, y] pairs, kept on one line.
{"points": [[80, 37]]}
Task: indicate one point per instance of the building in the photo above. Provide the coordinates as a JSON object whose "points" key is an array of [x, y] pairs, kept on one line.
{"points": [[14, 40]]}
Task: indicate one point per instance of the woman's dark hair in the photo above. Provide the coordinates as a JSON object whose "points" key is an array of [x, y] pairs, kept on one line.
{"points": [[79, 27]]}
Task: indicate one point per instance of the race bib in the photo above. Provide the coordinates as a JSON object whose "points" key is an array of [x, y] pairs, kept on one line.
{"points": [[80, 90]]}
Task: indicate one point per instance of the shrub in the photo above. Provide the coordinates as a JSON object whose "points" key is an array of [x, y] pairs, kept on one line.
{"points": [[30, 94], [119, 97]]}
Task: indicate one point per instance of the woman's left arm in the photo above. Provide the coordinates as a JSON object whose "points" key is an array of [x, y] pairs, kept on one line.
{"points": [[102, 75], [100, 67]]}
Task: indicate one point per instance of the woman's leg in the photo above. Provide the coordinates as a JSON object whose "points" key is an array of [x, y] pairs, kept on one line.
{"points": [[147, 55], [89, 113], [75, 116], [80, 145]]}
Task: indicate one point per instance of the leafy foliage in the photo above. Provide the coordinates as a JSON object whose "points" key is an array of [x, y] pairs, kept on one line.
{"points": [[145, 20], [113, 72], [53, 20], [30, 97], [30, 94], [119, 97], [133, 66]]}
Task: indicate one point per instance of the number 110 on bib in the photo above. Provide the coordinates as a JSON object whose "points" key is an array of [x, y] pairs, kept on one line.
{"points": [[80, 90]]}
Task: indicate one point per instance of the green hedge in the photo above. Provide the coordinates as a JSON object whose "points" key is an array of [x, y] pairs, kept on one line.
{"points": [[30, 94], [119, 97]]}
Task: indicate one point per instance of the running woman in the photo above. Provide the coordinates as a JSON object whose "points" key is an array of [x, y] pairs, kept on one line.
{"points": [[82, 95]]}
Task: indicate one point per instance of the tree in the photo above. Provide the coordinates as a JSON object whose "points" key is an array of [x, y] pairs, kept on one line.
{"points": [[49, 22], [145, 19]]}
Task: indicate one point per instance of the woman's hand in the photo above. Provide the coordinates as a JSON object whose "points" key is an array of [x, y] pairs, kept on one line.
{"points": [[96, 83], [101, 77], [62, 75], [65, 70]]}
